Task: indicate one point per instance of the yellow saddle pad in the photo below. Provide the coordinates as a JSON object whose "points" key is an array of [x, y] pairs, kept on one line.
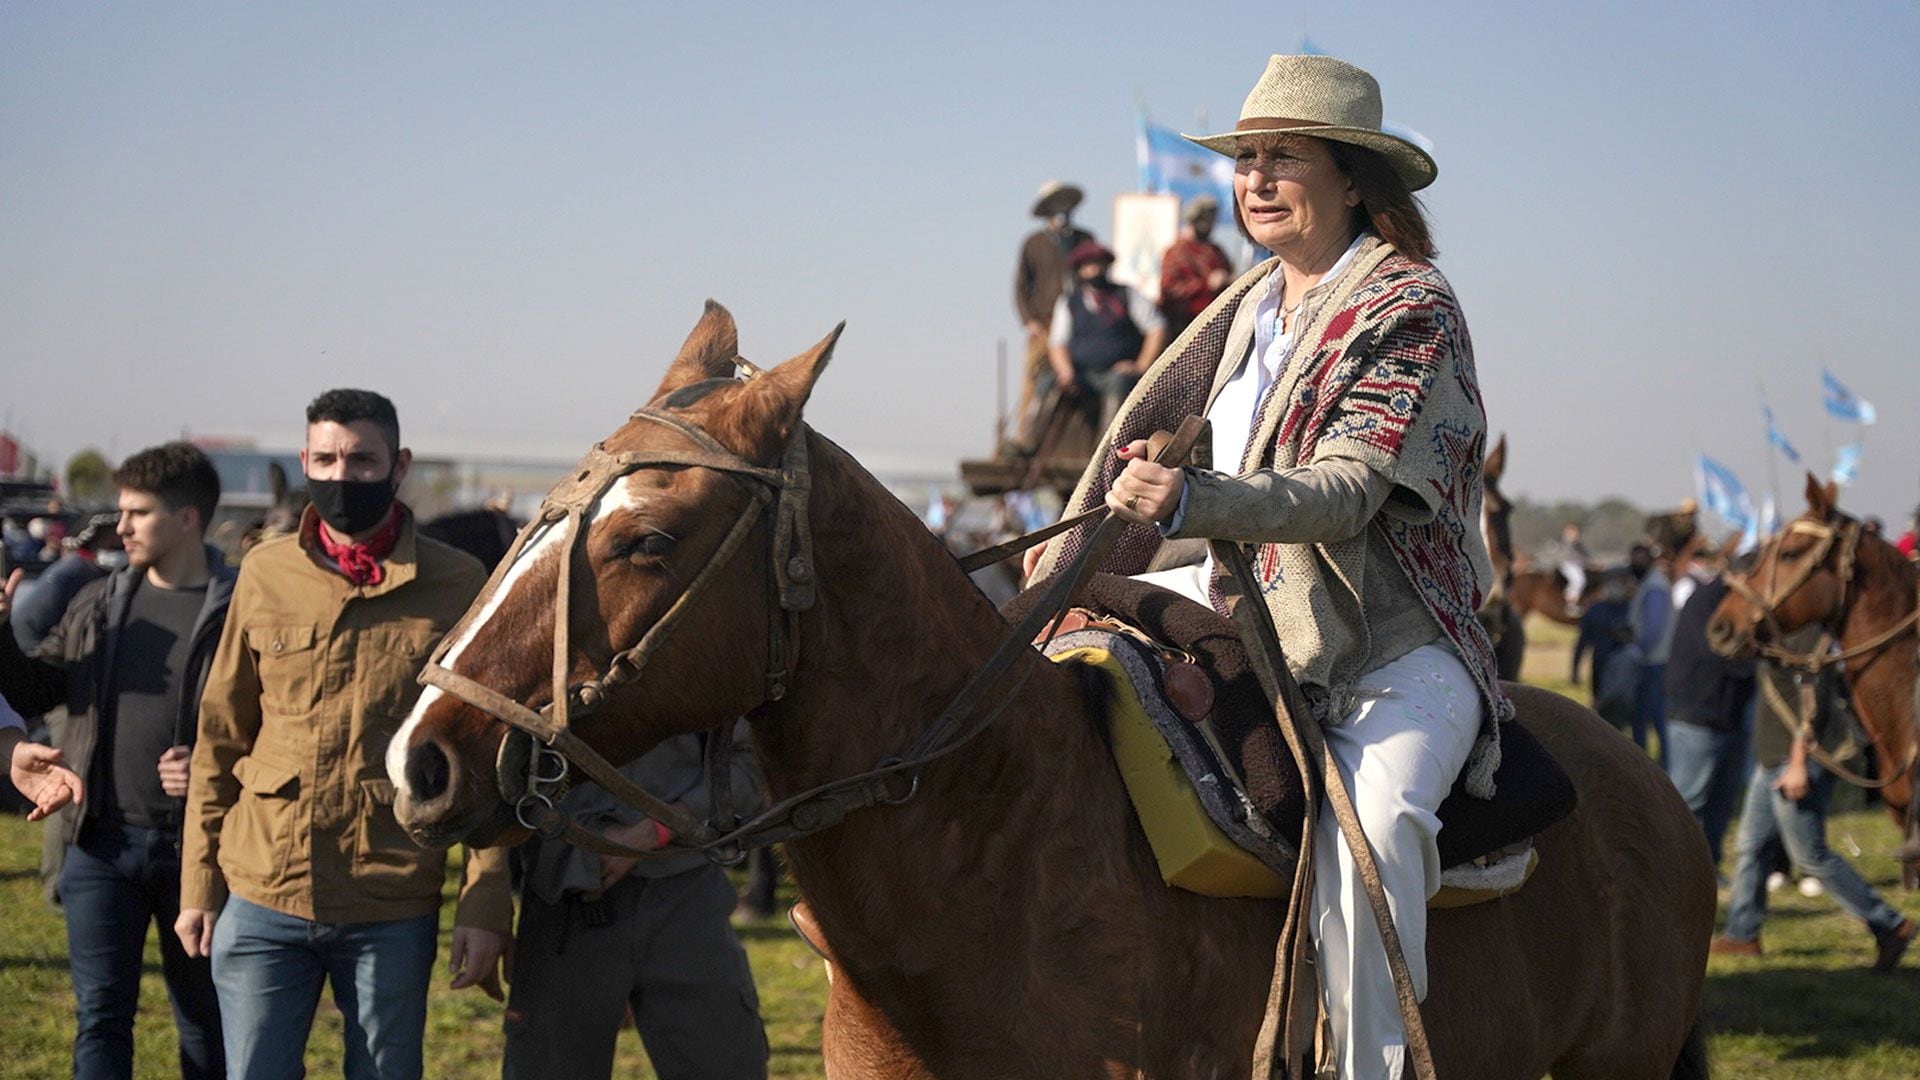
{"points": [[1193, 853]]}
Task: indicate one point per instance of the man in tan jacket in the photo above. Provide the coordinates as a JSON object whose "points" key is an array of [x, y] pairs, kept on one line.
{"points": [[294, 871]]}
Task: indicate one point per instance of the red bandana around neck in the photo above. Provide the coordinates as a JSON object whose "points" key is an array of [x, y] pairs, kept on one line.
{"points": [[361, 563]]}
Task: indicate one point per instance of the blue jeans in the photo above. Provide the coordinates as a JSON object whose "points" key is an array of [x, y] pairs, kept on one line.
{"points": [[116, 881], [1650, 708], [1802, 826], [269, 967], [1706, 766]]}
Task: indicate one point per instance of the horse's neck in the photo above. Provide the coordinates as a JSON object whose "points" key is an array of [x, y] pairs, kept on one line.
{"points": [[897, 631], [1883, 681]]}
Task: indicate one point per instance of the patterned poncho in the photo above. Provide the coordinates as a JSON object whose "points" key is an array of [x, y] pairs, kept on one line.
{"points": [[1381, 371]]}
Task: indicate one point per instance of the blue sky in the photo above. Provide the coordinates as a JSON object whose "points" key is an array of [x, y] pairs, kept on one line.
{"points": [[506, 216]]}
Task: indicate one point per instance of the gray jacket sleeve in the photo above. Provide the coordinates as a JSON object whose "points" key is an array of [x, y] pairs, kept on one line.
{"points": [[1331, 499]]}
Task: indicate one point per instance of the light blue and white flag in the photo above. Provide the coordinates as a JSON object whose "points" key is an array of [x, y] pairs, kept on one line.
{"points": [[1846, 461], [1722, 492], [1777, 438], [1844, 404], [1170, 164]]}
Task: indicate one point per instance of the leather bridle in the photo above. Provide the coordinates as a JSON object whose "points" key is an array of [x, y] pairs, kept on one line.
{"points": [[540, 747], [534, 788]]}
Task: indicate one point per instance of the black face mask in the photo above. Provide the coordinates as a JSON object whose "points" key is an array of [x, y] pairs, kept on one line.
{"points": [[351, 506]]}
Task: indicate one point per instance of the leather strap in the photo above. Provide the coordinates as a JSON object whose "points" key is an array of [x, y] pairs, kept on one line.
{"points": [[1284, 1032]]}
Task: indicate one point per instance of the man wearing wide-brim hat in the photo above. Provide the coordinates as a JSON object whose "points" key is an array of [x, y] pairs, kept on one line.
{"points": [[1194, 270], [1038, 280]]}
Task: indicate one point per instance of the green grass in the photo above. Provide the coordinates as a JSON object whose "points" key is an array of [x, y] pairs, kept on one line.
{"points": [[1808, 1009], [463, 1028]]}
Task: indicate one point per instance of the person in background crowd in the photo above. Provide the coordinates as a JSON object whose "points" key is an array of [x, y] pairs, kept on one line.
{"points": [[602, 937], [1651, 620], [1909, 542], [296, 873], [1039, 278], [1639, 561], [1103, 336], [1709, 712], [1603, 628], [36, 771], [1787, 798], [1194, 270], [81, 564], [1572, 557], [128, 659]]}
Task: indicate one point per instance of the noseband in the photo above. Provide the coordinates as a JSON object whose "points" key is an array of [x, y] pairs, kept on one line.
{"points": [[533, 777]]}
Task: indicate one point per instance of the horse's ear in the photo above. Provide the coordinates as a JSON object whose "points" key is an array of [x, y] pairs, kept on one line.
{"points": [[769, 406], [709, 352], [1820, 497], [1496, 463]]}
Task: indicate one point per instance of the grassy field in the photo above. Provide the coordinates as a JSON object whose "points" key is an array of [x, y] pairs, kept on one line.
{"points": [[1808, 1009]]}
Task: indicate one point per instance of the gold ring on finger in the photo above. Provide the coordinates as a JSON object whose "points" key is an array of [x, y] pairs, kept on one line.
{"points": [[1133, 502]]}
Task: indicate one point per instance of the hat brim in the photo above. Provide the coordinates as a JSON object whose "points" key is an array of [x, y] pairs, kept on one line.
{"points": [[1058, 202], [1413, 164]]}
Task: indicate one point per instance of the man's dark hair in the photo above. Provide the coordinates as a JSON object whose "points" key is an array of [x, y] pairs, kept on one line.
{"points": [[346, 406], [177, 473]]}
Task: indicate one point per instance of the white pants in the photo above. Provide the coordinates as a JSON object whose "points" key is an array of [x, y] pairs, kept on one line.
{"points": [[1399, 752]]}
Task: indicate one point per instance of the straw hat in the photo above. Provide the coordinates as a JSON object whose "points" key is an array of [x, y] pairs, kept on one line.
{"points": [[1056, 198], [1327, 99], [1204, 204]]}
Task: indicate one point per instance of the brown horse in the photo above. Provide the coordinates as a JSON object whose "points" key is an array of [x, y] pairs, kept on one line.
{"points": [[1505, 623], [1008, 919], [1825, 569]]}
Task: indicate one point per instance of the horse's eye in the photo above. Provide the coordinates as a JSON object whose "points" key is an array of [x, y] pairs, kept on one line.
{"points": [[647, 545]]}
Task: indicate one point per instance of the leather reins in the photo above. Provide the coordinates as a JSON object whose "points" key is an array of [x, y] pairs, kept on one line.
{"points": [[550, 747], [1808, 665]]}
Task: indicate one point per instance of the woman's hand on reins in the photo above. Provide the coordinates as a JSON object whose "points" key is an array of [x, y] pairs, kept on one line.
{"points": [[1145, 493]]}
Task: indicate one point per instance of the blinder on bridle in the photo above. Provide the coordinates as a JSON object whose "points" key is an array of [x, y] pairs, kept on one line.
{"points": [[1766, 604], [540, 747]]}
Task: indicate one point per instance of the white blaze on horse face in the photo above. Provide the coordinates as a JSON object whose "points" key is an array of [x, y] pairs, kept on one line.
{"points": [[621, 496]]}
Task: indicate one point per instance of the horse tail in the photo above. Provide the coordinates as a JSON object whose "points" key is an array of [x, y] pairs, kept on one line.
{"points": [[1692, 1063]]}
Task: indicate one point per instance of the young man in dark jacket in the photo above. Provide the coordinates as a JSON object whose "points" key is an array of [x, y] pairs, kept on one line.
{"points": [[1709, 717], [129, 660]]}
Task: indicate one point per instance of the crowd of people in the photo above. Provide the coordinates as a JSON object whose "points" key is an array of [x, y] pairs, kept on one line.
{"points": [[1090, 338], [1736, 735], [216, 771]]}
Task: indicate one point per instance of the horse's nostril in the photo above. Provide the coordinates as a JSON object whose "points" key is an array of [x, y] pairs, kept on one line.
{"points": [[427, 771]]}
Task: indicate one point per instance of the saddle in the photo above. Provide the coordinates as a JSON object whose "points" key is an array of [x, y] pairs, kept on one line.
{"points": [[1253, 787]]}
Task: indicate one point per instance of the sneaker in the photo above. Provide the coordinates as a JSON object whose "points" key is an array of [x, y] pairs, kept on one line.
{"points": [[1811, 887], [1894, 946], [1776, 881], [1726, 946]]}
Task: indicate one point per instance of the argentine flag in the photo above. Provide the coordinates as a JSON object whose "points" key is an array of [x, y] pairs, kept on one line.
{"points": [[1170, 164], [1844, 404], [1722, 492], [1846, 461], [1776, 437]]}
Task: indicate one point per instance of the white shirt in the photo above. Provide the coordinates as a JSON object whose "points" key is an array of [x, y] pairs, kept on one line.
{"points": [[1233, 412]]}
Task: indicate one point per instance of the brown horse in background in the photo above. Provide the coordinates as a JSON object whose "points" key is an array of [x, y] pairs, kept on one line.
{"points": [[1505, 622], [1824, 569], [1009, 919]]}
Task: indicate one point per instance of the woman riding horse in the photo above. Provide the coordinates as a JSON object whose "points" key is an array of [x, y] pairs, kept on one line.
{"points": [[1347, 425]]}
